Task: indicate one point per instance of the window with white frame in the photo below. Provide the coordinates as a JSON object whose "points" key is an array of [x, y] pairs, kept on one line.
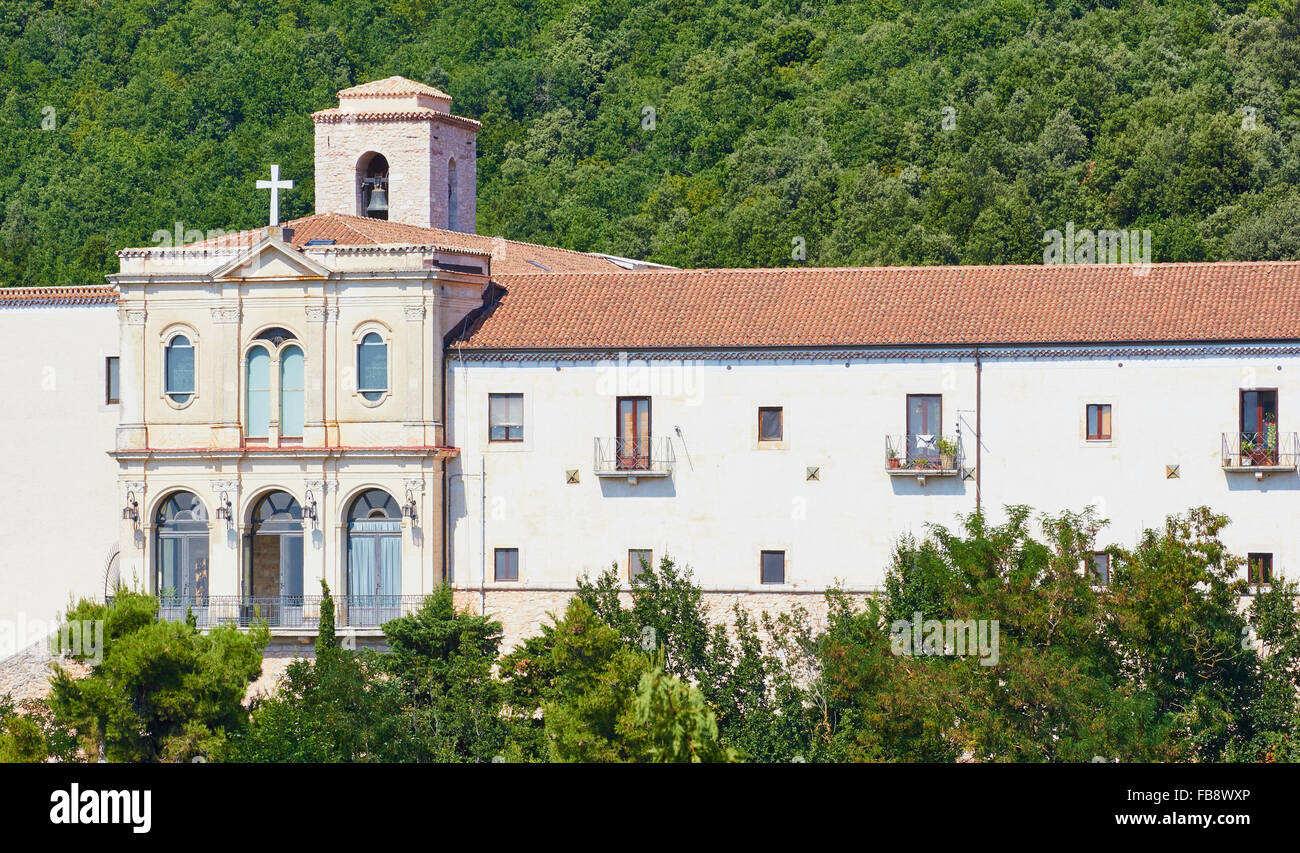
{"points": [[505, 417], [178, 369], [372, 367]]}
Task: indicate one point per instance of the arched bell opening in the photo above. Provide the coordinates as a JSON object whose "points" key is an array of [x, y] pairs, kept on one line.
{"points": [[372, 185]]}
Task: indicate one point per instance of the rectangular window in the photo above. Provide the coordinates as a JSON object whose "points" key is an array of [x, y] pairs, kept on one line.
{"points": [[112, 380], [771, 425], [505, 417], [773, 567], [1259, 569], [1100, 568], [1098, 421], [638, 561], [506, 564]]}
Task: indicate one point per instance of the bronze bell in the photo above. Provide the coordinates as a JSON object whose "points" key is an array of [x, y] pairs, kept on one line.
{"points": [[378, 205]]}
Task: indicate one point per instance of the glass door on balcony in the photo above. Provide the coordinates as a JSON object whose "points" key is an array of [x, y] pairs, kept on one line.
{"points": [[273, 584], [924, 427], [1259, 436], [633, 440], [374, 559], [182, 556]]}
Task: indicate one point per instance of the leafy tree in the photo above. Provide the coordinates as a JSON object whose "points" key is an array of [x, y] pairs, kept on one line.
{"points": [[675, 723], [582, 677], [666, 614], [163, 691], [431, 698]]}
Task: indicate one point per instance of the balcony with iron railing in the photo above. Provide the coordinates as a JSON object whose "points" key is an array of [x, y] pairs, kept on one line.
{"points": [[633, 458], [1260, 453], [290, 613], [923, 456]]}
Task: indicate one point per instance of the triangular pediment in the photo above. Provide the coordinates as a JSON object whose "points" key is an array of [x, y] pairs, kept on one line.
{"points": [[271, 258]]}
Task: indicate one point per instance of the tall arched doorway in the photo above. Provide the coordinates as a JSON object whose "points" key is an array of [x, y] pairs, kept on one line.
{"points": [[181, 555], [273, 559], [374, 559]]}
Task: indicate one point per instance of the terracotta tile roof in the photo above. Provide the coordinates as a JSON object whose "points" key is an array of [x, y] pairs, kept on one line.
{"points": [[334, 114], [509, 257], [22, 297], [819, 307], [394, 86]]}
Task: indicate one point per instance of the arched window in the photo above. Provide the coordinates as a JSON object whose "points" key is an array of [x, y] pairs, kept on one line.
{"points": [[372, 367], [179, 370], [273, 560], [452, 195], [181, 561], [374, 559], [292, 390], [258, 424]]}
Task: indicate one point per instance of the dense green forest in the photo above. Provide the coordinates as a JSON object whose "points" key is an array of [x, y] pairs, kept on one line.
{"points": [[690, 132]]}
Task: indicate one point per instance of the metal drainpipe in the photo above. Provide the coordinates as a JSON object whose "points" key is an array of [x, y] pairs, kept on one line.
{"points": [[482, 538], [979, 432]]}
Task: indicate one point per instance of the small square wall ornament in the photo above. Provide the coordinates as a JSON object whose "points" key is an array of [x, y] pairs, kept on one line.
{"points": [[968, 473], [571, 476], [1171, 472], [813, 473]]}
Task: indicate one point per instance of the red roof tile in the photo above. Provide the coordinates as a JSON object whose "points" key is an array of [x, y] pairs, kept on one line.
{"points": [[392, 87], [21, 297], [509, 257], [823, 307]]}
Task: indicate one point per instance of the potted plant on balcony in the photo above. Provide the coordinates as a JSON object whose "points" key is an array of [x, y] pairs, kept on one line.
{"points": [[892, 454], [1270, 439], [947, 453]]}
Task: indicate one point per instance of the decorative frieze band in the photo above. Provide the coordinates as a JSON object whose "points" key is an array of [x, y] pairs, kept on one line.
{"points": [[225, 314], [414, 312], [321, 313], [133, 316], [321, 487]]}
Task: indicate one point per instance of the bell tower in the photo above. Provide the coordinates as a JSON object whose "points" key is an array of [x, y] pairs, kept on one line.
{"points": [[393, 150]]}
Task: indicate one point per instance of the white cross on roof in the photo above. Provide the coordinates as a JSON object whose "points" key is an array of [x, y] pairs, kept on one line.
{"points": [[275, 185]]}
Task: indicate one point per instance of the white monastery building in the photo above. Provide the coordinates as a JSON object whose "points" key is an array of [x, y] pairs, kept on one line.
{"points": [[379, 397]]}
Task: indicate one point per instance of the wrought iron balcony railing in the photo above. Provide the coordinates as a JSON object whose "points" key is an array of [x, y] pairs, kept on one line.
{"points": [[640, 457], [939, 455], [287, 612], [1260, 451]]}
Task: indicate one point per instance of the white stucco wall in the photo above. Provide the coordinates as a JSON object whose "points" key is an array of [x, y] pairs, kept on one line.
{"points": [[58, 504], [728, 499]]}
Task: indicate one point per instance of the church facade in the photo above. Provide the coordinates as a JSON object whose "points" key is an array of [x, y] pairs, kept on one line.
{"points": [[379, 397]]}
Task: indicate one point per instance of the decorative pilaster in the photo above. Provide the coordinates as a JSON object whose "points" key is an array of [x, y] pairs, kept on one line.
{"points": [[131, 433]]}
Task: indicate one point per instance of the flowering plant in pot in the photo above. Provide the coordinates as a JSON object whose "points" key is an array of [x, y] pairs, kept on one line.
{"points": [[947, 452]]}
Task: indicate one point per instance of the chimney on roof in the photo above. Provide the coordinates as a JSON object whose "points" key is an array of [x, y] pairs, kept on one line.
{"points": [[398, 137]]}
